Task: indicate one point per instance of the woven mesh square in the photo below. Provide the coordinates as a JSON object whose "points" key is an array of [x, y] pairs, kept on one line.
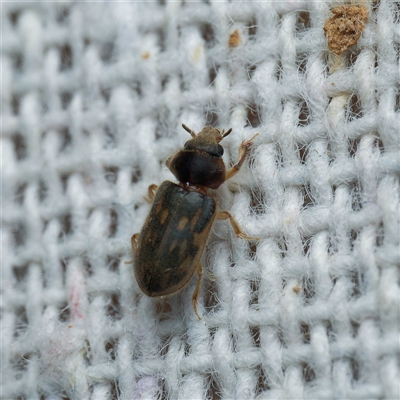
{"points": [[93, 98]]}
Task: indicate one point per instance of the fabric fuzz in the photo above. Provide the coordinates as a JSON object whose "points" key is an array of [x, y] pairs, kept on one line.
{"points": [[93, 98]]}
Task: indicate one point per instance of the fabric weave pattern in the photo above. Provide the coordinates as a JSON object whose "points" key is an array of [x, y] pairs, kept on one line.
{"points": [[93, 96]]}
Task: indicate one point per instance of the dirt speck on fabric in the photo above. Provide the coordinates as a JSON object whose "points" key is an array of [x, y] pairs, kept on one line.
{"points": [[234, 39], [344, 28]]}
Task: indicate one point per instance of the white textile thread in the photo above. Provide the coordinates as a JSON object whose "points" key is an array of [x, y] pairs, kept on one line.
{"points": [[93, 97]]}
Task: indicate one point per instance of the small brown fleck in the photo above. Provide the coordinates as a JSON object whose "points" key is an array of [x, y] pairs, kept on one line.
{"points": [[182, 223], [296, 289], [145, 55], [344, 28], [234, 39]]}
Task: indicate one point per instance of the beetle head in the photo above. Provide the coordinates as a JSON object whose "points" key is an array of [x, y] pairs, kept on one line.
{"points": [[207, 140], [200, 162]]}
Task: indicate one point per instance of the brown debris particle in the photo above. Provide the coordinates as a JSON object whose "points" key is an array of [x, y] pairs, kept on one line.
{"points": [[234, 39], [296, 289], [145, 55], [344, 28]]}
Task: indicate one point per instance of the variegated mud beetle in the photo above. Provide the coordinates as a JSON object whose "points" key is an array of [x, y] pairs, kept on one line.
{"points": [[168, 249]]}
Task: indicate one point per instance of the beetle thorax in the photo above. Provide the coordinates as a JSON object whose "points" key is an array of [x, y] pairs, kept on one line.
{"points": [[200, 161]]}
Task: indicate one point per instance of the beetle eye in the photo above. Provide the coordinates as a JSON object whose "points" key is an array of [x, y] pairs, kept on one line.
{"points": [[220, 151]]}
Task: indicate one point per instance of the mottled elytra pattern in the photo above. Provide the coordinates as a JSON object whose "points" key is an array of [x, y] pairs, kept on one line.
{"points": [[173, 238], [93, 96]]}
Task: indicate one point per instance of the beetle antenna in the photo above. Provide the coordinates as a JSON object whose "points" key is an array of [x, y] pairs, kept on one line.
{"points": [[188, 130], [224, 134]]}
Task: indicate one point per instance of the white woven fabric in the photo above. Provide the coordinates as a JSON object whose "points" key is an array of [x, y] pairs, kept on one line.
{"points": [[93, 96]]}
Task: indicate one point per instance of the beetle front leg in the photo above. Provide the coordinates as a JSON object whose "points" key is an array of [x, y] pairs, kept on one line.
{"points": [[239, 233], [244, 149], [151, 191], [197, 290]]}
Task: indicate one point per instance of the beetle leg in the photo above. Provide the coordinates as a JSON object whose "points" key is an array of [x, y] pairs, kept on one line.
{"points": [[134, 242], [197, 290], [134, 246], [151, 191], [244, 150], [239, 233]]}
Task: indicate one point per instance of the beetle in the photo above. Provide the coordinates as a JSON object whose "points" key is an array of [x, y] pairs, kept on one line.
{"points": [[169, 247]]}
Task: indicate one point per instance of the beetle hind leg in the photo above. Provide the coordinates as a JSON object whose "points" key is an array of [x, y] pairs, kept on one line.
{"points": [[239, 233], [197, 290]]}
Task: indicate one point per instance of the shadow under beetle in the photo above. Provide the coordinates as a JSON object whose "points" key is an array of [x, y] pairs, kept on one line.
{"points": [[168, 249]]}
